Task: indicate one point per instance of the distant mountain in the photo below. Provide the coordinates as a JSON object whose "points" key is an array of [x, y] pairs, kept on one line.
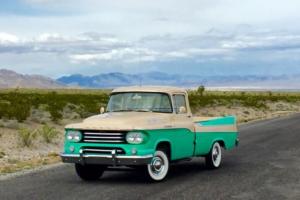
{"points": [[11, 79], [111, 80]]}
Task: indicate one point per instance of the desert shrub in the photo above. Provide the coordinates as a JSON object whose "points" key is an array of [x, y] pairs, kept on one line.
{"points": [[254, 102], [16, 108], [39, 115], [48, 133], [246, 112], [53, 154], [2, 154], [55, 106], [200, 90], [27, 136], [4, 105], [17, 104]]}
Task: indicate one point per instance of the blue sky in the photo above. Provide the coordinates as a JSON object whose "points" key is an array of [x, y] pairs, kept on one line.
{"points": [[210, 37]]}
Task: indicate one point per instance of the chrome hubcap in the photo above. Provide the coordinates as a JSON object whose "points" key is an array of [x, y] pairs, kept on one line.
{"points": [[157, 165], [216, 155]]}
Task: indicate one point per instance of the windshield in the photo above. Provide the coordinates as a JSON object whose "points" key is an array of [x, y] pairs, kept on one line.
{"points": [[139, 102]]}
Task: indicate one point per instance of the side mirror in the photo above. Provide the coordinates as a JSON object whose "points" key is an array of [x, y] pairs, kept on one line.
{"points": [[102, 110], [182, 110]]}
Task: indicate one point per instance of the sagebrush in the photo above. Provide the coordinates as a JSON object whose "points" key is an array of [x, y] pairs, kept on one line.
{"points": [[48, 133], [27, 136]]}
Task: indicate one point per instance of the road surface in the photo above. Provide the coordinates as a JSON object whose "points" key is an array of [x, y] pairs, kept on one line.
{"points": [[266, 165]]}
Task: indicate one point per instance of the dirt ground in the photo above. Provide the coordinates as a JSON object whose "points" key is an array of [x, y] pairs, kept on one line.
{"points": [[15, 157], [246, 114]]}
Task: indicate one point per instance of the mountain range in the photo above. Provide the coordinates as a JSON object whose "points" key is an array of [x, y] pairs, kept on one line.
{"points": [[111, 80], [11, 79]]}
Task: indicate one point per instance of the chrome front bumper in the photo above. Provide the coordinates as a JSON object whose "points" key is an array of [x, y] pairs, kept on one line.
{"points": [[113, 159]]}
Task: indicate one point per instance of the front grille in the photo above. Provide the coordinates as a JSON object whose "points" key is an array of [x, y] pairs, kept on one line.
{"points": [[104, 137], [102, 150]]}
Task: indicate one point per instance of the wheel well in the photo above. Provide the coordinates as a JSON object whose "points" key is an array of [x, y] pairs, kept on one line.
{"points": [[166, 147], [222, 143]]}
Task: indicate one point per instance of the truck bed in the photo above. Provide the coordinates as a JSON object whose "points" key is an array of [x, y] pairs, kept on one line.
{"points": [[215, 124]]}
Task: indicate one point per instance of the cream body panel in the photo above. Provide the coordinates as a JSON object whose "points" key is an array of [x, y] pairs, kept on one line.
{"points": [[215, 129], [125, 121]]}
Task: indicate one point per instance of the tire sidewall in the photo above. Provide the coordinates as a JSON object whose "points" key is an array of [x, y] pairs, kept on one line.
{"points": [[215, 163], [165, 159]]}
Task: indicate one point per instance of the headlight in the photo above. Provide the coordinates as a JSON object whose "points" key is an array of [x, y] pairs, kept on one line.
{"points": [[74, 136], [134, 138]]}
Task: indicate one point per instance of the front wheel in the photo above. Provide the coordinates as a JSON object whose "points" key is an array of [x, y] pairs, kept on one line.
{"points": [[89, 172], [158, 169], [214, 158]]}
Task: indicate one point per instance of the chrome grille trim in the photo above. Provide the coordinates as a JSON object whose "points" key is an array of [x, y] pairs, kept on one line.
{"points": [[105, 141], [99, 133], [100, 137], [103, 137], [102, 150]]}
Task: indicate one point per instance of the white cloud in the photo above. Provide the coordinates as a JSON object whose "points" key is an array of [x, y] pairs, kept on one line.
{"points": [[121, 54], [94, 48], [6, 38], [50, 37]]}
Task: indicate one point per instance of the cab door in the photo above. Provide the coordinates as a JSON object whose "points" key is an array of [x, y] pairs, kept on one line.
{"points": [[183, 128]]}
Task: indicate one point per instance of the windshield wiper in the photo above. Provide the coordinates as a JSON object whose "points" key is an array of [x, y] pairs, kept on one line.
{"points": [[122, 111], [140, 110], [143, 110]]}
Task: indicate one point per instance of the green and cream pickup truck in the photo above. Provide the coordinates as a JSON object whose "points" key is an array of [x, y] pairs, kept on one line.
{"points": [[146, 127]]}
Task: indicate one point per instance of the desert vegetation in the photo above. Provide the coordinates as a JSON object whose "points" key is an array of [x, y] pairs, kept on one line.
{"points": [[18, 104], [32, 121], [21, 104]]}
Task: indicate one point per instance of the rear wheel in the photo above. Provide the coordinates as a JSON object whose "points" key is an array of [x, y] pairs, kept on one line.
{"points": [[158, 169], [214, 158], [89, 172]]}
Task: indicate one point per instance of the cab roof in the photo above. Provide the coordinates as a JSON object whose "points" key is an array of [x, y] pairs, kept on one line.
{"points": [[163, 89]]}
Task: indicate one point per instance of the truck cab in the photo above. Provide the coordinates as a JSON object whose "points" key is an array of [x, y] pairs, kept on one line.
{"points": [[147, 127]]}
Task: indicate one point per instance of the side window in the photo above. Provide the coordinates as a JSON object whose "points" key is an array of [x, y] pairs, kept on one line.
{"points": [[179, 101]]}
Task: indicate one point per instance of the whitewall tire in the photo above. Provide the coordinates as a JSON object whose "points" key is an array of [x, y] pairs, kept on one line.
{"points": [[214, 158], [158, 169]]}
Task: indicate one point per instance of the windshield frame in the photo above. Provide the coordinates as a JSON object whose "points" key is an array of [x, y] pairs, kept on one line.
{"points": [[164, 93]]}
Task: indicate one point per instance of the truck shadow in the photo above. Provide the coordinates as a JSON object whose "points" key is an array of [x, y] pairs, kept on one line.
{"points": [[182, 171]]}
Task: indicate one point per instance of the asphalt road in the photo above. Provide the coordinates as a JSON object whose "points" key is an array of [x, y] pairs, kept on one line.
{"points": [[266, 165]]}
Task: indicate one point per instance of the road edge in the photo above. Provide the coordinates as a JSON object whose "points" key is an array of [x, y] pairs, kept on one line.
{"points": [[29, 171]]}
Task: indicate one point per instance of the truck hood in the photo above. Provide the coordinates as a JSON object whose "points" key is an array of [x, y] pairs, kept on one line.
{"points": [[124, 121]]}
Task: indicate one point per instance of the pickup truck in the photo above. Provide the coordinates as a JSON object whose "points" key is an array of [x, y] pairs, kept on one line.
{"points": [[146, 128]]}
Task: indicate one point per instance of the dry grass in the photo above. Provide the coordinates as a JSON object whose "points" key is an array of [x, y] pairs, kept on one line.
{"points": [[15, 157], [19, 165]]}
